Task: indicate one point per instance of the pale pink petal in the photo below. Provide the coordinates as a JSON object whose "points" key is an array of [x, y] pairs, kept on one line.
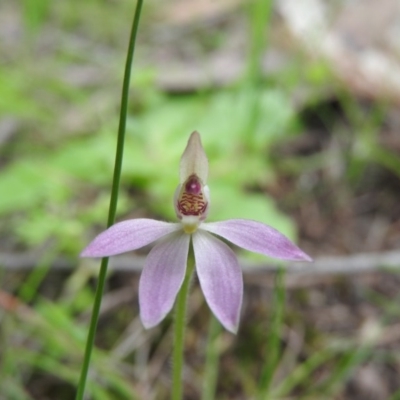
{"points": [[257, 237], [162, 277], [220, 278], [128, 235], [194, 160]]}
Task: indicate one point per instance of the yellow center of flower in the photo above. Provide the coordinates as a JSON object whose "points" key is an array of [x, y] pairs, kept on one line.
{"points": [[190, 228]]}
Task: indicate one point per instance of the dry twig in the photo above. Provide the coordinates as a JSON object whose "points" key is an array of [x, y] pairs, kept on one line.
{"points": [[351, 264]]}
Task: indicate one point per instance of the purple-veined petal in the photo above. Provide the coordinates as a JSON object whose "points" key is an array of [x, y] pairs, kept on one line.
{"points": [[128, 235], [194, 160], [162, 277], [257, 237], [220, 278]]}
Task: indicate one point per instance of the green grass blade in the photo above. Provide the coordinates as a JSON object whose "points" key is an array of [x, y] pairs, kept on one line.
{"points": [[113, 200], [212, 360], [273, 342]]}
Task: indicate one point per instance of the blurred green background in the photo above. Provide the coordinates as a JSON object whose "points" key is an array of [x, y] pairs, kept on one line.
{"points": [[295, 139]]}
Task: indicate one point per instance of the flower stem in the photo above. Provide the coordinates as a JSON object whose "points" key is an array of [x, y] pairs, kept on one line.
{"points": [[179, 333], [113, 200], [212, 360]]}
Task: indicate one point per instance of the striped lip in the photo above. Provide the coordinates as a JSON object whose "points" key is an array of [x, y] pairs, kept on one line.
{"points": [[192, 200]]}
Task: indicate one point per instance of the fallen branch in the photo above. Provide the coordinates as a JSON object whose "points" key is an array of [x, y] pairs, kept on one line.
{"points": [[351, 264]]}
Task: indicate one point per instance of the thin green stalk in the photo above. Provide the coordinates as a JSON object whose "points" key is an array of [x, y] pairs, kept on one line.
{"points": [[179, 334], [303, 372], [342, 370], [259, 23], [273, 345], [28, 289], [212, 360], [113, 200]]}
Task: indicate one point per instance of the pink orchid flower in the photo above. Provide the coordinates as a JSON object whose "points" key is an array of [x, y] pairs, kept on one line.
{"points": [[216, 264]]}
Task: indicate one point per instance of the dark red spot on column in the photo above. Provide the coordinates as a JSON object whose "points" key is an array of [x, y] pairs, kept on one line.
{"points": [[192, 185]]}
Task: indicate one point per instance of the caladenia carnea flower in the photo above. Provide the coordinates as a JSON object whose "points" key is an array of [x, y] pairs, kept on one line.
{"points": [[216, 264]]}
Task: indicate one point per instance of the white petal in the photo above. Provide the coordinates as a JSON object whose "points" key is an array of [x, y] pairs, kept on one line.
{"points": [[162, 277], [128, 235], [257, 237], [220, 278]]}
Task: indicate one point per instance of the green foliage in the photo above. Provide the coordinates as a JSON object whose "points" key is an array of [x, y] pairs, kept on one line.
{"points": [[16, 94], [52, 341], [35, 13], [50, 189]]}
